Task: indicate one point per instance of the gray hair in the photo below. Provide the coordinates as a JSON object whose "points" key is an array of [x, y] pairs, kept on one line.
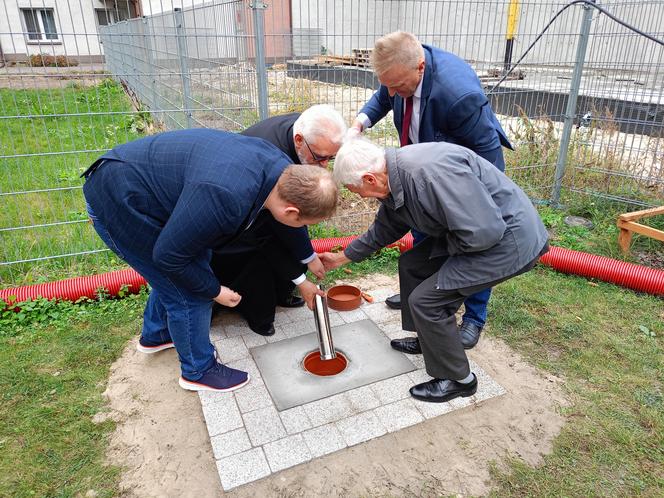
{"points": [[357, 157], [321, 121], [396, 49]]}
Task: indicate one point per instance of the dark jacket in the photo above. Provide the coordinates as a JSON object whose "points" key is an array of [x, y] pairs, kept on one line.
{"points": [[453, 107], [476, 215], [278, 130], [174, 196]]}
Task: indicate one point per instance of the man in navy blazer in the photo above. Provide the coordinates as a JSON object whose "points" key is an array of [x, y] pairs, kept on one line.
{"points": [[435, 97], [164, 202]]}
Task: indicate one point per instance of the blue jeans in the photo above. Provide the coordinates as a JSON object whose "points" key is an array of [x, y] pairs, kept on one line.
{"points": [[475, 304], [171, 311]]}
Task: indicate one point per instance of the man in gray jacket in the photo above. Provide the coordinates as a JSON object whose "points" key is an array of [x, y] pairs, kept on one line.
{"points": [[482, 230]]}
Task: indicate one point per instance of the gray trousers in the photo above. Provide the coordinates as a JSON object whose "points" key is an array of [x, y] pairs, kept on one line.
{"points": [[431, 312]]}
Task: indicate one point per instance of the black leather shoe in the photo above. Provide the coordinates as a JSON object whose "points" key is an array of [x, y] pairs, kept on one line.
{"points": [[470, 334], [263, 330], [291, 302], [408, 345], [394, 302], [441, 390]]}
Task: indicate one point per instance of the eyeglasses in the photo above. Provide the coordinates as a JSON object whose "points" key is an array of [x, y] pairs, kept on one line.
{"points": [[317, 158]]}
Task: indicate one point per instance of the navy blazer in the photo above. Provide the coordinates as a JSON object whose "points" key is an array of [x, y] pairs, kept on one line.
{"points": [[173, 196], [453, 107]]}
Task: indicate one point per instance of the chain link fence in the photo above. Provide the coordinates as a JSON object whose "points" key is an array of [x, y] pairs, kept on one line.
{"points": [[584, 107]]}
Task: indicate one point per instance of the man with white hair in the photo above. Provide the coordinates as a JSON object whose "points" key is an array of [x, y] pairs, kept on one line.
{"points": [[436, 97], [469, 246], [262, 268]]}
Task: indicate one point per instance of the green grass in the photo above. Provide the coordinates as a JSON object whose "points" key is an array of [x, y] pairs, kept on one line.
{"points": [[54, 365], [606, 343], [46, 125]]}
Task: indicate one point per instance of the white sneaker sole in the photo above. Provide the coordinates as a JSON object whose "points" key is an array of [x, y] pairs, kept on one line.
{"points": [[154, 349], [196, 386]]}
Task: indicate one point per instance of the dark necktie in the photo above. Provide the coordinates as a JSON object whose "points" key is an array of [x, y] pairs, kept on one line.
{"points": [[406, 121]]}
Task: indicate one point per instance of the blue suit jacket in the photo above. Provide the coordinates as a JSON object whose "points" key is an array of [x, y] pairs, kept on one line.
{"points": [[453, 108], [173, 196]]}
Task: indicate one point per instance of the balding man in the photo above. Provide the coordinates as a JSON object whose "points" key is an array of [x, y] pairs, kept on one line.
{"points": [[436, 97], [162, 203]]}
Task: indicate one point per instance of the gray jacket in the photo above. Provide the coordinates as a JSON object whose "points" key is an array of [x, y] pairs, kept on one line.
{"points": [[479, 217]]}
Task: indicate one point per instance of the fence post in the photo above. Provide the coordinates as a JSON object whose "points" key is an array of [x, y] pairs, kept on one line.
{"points": [[152, 67], [258, 6], [570, 112], [184, 70]]}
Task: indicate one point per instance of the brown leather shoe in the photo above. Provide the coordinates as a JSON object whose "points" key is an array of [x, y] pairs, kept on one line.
{"points": [[441, 390], [408, 345]]}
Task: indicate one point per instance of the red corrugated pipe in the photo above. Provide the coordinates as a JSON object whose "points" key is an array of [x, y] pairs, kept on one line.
{"points": [[631, 276]]}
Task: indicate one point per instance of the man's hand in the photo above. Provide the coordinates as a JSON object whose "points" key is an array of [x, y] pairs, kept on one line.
{"points": [[228, 297], [308, 291], [354, 131], [333, 260], [316, 267]]}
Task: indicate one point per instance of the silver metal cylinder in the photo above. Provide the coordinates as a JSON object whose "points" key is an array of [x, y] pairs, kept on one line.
{"points": [[322, 319]]}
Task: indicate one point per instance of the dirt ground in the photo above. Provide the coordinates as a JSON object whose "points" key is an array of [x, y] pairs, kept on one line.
{"points": [[161, 440]]}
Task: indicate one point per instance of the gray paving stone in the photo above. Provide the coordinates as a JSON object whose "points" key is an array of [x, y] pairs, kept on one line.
{"points": [[264, 426], [431, 410], [230, 443], [279, 334], [222, 416], [248, 365], [417, 360], [398, 415], [323, 440], [252, 340], [380, 295], [394, 389], [295, 420], [227, 317], [287, 452], [328, 410], [231, 349], [419, 376], [299, 314], [380, 313], [302, 327], [242, 468], [281, 317], [335, 319], [360, 428], [237, 329], [252, 398], [217, 332], [209, 397], [361, 399], [353, 315]]}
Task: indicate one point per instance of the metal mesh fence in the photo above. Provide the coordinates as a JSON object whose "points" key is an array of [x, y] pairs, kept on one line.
{"points": [[584, 109]]}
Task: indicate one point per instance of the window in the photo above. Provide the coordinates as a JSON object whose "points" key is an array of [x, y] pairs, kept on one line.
{"points": [[40, 24], [104, 17]]}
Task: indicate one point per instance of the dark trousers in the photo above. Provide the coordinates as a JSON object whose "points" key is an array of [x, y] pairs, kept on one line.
{"points": [[431, 312], [258, 277]]}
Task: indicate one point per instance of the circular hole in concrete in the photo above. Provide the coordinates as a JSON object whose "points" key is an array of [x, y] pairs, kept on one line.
{"points": [[324, 368]]}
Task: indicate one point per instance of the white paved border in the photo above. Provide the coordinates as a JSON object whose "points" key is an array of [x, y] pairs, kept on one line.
{"points": [[251, 439]]}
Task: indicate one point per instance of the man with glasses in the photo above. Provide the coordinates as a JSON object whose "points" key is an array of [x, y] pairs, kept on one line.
{"points": [[262, 268]]}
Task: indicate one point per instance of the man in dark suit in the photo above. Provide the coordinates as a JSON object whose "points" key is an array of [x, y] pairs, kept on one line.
{"points": [[436, 97], [162, 203], [261, 269]]}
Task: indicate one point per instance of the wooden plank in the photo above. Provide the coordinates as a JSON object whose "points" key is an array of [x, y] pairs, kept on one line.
{"points": [[645, 213], [651, 232]]}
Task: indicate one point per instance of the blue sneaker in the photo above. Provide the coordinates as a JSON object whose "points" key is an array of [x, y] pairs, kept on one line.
{"points": [[219, 378], [149, 347]]}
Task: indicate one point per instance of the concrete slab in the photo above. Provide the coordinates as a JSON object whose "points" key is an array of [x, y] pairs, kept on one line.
{"points": [[370, 359]]}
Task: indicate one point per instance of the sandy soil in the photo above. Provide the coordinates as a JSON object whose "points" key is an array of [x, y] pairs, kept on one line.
{"points": [[161, 438]]}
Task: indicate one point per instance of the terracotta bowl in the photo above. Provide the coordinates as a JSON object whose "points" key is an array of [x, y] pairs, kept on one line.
{"points": [[344, 297]]}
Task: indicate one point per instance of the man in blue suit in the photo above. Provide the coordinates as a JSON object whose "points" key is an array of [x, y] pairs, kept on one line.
{"points": [[164, 202], [435, 97]]}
